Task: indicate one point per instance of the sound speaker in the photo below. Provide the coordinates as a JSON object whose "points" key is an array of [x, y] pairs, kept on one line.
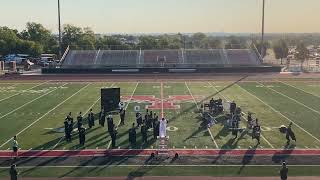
{"points": [[110, 99]]}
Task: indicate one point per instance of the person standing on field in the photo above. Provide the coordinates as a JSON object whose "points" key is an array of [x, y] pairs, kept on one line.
{"points": [[284, 171], [13, 172], [15, 146]]}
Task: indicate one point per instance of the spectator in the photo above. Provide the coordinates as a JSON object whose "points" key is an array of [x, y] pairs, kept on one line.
{"points": [[284, 171], [13, 172], [15, 146]]}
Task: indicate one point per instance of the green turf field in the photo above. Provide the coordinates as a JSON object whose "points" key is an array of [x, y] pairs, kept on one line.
{"points": [[34, 110]]}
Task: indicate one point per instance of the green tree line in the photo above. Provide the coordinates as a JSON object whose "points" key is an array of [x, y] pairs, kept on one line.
{"points": [[35, 39]]}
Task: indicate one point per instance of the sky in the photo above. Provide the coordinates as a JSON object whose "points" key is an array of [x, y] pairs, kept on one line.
{"points": [[166, 16]]}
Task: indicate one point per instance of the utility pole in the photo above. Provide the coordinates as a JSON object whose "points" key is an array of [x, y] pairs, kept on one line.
{"points": [[60, 37], [262, 32]]}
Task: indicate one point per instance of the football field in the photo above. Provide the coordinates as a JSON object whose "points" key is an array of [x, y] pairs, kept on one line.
{"points": [[35, 112]]}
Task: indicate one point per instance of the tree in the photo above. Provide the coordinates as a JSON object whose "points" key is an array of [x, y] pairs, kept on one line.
{"points": [[234, 42], [148, 42], [281, 50], [8, 40], [38, 33], [87, 40], [198, 39], [71, 36], [28, 47], [302, 53], [108, 42]]}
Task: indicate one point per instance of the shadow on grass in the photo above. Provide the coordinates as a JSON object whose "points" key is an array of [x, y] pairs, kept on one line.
{"points": [[279, 157], [247, 158]]}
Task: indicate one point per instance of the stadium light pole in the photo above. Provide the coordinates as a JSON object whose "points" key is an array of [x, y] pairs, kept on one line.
{"points": [[59, 21], [262, 32]]}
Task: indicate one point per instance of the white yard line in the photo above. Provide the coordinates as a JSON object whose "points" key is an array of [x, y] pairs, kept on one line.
{"points": [[45, 114], [194, 100], [30, 102], [280, 114], [243, 113], [289, 98], [23, 90], [299, 89], [134, 90], [83, 116]]}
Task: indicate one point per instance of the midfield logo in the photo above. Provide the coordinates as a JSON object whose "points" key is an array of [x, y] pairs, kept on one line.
{"points": [[169, 103]]}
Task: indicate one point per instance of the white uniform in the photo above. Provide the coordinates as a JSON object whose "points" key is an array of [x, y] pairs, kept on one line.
{"points": [[163, 128]]}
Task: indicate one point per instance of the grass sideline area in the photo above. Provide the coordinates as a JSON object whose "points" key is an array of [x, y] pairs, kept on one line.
{"points": [[161, 171]]}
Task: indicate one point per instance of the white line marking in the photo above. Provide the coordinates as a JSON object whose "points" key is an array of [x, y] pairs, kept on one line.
{"points": [[108, 147], [45, 114], [83, 116], [298, 88], [243, 113], [194, 100], [280, 113], [24, 90], [290, 98], [30, 102], [160, 165]]}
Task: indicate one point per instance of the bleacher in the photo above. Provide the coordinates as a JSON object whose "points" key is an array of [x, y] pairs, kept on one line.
{"points": [[203, 56], [117, 57], [242, 57], [80, 57], [163, 58], [167, 56]]}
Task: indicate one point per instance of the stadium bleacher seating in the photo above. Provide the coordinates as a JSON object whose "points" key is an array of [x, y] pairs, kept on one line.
{"points": [[80, 57], [181, 58], [117, 57], [170, 56], [241, 57], [203, 57]]}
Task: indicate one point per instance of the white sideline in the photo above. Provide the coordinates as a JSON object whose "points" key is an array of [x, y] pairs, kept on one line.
{"points": [[299, 89], [83, 116], [30, 102], [134, 90], [194, 100], [23, 90], [290, 98], [161, 165], [45, 114], [281, 114]]}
